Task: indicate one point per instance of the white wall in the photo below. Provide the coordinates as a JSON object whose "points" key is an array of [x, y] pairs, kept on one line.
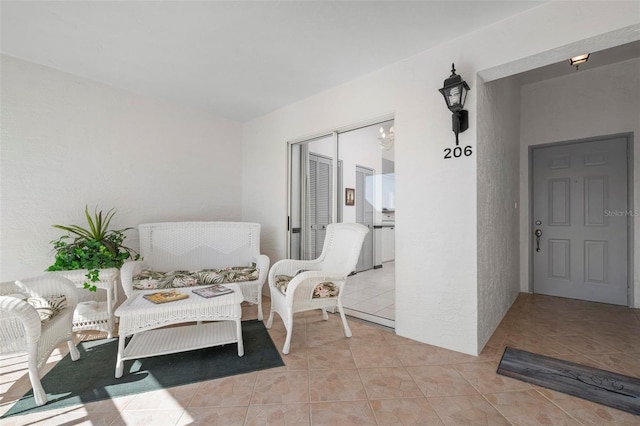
{"points": [[589, 103], [498, 193], [436, 219], [68, 142]]}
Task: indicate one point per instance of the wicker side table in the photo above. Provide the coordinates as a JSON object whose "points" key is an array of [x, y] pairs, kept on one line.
{"points": [[99, 316], [144, 320]]}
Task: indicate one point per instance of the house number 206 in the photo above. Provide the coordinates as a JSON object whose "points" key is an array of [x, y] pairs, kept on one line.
{"points": [[457, 152]]}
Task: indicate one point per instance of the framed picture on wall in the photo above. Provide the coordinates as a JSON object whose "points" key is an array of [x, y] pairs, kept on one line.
{"points": [[349, 196]]}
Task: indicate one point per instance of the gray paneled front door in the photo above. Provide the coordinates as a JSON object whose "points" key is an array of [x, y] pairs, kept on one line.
{"points": [[580, 211]]}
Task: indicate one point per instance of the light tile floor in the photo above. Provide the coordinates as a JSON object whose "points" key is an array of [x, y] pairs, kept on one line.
{"points": [[378, 378], [372, 292]]}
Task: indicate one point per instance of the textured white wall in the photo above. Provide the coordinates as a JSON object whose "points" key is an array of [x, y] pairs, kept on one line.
{"points": [[436, 222], [498, 193], [602, 101], [428, 204], [68, 142]]}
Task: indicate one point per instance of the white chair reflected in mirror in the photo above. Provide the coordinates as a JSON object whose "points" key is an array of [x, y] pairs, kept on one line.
{"points": [[35, 319], [304, 285]]}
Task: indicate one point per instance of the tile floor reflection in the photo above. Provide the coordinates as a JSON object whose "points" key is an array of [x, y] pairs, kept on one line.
{"points": [[372, 292]]}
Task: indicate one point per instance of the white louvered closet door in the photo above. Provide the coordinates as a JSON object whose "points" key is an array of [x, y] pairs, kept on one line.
{"points": [[320, 179]]}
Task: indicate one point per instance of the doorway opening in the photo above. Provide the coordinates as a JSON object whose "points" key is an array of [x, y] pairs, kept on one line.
{"points": [[581, 219], [349, 176]]}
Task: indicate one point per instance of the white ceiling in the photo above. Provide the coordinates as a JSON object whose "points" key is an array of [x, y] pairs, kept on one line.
{"points": [[237, 59]]}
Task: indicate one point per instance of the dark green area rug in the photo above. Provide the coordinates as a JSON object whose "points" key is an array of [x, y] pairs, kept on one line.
{"points": [[91, 378], [604, 387]]}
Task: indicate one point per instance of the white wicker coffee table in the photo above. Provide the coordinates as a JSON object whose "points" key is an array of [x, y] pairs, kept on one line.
{"points": [[144, 320]]}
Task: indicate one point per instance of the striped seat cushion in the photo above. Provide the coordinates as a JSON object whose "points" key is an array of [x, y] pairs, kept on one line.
{"points": [[152, 280], [48, 306]]}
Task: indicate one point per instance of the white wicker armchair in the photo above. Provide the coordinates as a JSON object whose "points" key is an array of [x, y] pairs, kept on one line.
{"points": [[190, 246], [338, 259], [22, 331]]}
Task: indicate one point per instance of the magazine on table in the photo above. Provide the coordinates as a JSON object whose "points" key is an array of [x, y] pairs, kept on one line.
{"points": [[213, 291], [165, 296]]}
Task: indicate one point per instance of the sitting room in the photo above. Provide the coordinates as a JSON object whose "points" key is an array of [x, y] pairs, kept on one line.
{"points": [[203, 112]]}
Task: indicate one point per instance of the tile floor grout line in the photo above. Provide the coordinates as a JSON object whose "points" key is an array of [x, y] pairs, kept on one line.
{"points": [[561, 409]]}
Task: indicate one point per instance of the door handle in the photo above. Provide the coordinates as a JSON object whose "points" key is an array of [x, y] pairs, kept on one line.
{"points": [[538, 234]]}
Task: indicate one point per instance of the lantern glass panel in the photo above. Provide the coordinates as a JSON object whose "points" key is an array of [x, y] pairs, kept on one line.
{"points": [[453, 98], [464, 95]]}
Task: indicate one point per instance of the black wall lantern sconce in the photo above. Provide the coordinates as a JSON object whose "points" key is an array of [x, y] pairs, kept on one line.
{"points": [[455, 94]]}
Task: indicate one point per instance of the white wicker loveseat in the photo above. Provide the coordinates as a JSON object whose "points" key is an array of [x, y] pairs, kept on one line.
{"points": [[189, 247]]}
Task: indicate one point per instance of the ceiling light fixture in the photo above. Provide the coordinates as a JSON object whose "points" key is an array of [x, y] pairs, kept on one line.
{"points": [[387, 138], [455, 94], [577, 60]]}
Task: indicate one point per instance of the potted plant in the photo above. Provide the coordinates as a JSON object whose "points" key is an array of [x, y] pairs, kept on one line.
{"points": [[93, 248]]}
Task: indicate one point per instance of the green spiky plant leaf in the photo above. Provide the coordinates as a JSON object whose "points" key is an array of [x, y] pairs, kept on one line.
{"points": [[93, 248]]}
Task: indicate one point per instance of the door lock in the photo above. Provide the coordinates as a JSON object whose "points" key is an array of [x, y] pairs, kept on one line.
{"points": [[538, 234]]}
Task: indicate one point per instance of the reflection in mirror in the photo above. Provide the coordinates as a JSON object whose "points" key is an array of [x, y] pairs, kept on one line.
{"points": [[311, 196], [365, 170], [368, 166]]}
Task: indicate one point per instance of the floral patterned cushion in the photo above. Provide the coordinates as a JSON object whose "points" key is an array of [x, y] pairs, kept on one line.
{"points": [[48, 306], [325, 289], [151, 280], [282, 281]]}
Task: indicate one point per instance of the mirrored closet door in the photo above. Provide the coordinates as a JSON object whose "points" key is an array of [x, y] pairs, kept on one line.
{"points": [[349, 176]]}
